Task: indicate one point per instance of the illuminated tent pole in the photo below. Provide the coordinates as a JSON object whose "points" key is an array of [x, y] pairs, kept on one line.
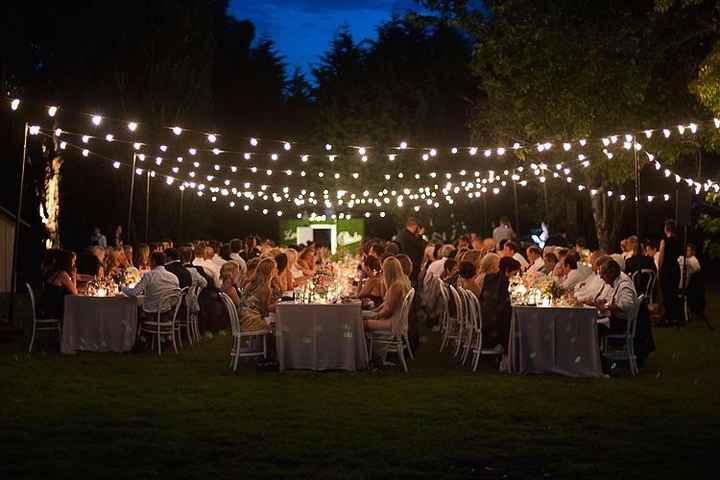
{"points": [[18, 224], [132, 194], [147, 208]]}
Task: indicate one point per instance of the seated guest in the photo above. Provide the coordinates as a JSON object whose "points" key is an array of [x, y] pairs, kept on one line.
{"points": [[693, 265], [510, 249], [550, 261], [495, 305], [298, 278], [198, 280], [636, 261], [535, 259], [157, 285], [428, 258], [257, 302], [306, 262], [174, 266], [466, 278], [100, 253], [561, 254], [281, 279], [142, 258], [204, 258], [236, 247], [593, 287], [405, 263], [436, 268], [573, 272], [251, 267], [373, 287], [213, 254], [387, 319], [391, 249], [488, 246], [62, 281], [129, 258], [650, 249], [229, 275], [225, 252], [477, 244], [620, 301], [450, 271], [490, 263], [48, 264]]}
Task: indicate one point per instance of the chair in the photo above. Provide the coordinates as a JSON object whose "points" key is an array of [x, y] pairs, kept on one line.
{"points": [[471, 323], [159, 327], [626, 340], [456, 334], [476, 347], [447, 323], [644, 281], [190, 322], [41, 324], [238, 335], [398, 340]]}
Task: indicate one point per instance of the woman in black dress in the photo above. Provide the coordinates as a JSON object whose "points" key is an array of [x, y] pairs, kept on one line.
{"points": [[670, 273], [495, 305], [62, 282]]}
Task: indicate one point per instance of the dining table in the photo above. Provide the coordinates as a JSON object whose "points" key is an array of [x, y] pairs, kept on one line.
{"points": [[320, 336], [554, 340], [99, 323]]}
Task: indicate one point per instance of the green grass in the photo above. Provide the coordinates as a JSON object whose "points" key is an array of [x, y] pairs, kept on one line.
{"points": [[188, 416]]}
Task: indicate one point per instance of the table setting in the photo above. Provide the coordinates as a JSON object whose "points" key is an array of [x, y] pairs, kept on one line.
{"points": [[550, 332]]}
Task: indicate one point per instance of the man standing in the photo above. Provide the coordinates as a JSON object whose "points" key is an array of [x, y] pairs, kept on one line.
{"points": [[503, 231], [412, 245], [97, 239]]}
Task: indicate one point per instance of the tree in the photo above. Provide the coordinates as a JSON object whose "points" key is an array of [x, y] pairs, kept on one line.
{"points": [[572, 69]]}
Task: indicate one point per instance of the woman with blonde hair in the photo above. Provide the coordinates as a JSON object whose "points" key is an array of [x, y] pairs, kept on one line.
{"points": [[397, 285], [306, 261], [229, 274], [250, 274], [294, 274], [490, 263], [142, 257], [257, 302]]}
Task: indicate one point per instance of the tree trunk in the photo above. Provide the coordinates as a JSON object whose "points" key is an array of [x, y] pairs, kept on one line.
{"points": [[50, 204]]}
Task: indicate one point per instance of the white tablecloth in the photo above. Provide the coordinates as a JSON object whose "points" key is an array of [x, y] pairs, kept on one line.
{"points": [[99, 324], [554, 340], [320, 337]]}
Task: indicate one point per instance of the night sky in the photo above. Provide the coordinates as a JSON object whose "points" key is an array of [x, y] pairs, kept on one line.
{"points": [[302, 29]]}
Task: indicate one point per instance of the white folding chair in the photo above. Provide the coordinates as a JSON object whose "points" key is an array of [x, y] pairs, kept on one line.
{"points": [[644, 281], [41, 324], [160, 328], [625, 341], [238, 336], [460, 313], [397, 341], [470, 323], [190, 316], [476, 348]]}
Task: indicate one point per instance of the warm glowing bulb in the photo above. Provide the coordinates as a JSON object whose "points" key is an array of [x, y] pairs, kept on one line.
{"points": [[364, 158], [246, 156], [58, 132], [454, 150], [473, 150], [15, 104], [116, 164], [566, 146], [97, 120], [216, 151], [287, 146], [192, 151], [52, 110], [212, 138], [391, 157], [63, 145], [425, 157], [137, 145], [177, 130], [85, 152], [85, 138], [362, 150], [253, 142], [109, 137], [132, 126]]}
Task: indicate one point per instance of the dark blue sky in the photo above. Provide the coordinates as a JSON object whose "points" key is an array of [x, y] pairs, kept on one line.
{"points": [[302, 29]]}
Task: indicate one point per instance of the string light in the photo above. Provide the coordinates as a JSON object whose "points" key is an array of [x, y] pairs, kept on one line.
{"points": [[254, 142], [97, 120], [34, 130], [14, 104], [287, 146], [85, 152], [52, 111], [211, 138], [403, 145], [132, 126], [109, 137]]}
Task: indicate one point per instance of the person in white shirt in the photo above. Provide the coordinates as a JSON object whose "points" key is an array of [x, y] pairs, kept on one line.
{"points": [[693, 265], [511, 250], [573, 272], [235, 248], [593, 287], [621, 300], [97, 239], [157, 286], [437, 268], [213, 255], [503, 231], [203, 258], [534, 255]]}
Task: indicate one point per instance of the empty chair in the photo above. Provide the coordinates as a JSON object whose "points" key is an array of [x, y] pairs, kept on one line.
{"points": [[41, 324], [644, 281]]}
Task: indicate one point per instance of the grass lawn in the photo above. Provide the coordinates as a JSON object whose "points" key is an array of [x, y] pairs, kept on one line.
{"points": [[187, 416]]}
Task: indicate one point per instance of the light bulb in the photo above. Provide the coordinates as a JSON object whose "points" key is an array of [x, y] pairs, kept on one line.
{"points": [[304, 158], [132, 126], [177, 130], [403, 145], [391, 157], [666, 132], [253, 142], [566, 146], [246, 156], [58, 132], [85, 139], [274, 157], [501, 151], [364, 158], [328, 147], [425, 157], [454, 150], [361, 150], [85, 152], [15, 104], [63, 145], [141, 157], [96, 120], [212, 138], [287, 146], [216, 151], [52, 110], [192, 151], [487, 153], [109, 137], [433, 152], [137, 145]]}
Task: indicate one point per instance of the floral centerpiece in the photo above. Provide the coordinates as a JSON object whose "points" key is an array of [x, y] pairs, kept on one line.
{"points": [[534, 288]]}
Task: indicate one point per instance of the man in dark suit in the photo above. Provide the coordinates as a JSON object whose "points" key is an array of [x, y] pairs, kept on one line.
{"points": [[174, 266], [412, 245]]}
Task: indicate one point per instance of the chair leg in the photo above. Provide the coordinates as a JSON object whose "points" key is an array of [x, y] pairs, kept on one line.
{"points": [[32, 338], [237, 354], [444, 340], [172, 337], [179, 335], [265, 350], [400, 351], [409, 348]]}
